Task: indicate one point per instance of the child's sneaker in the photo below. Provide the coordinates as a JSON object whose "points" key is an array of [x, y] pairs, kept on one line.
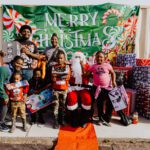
{"points": [[104, 122], [4, 127]]}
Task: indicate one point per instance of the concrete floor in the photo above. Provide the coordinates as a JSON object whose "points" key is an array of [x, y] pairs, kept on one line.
{"points": [[140, 130]]}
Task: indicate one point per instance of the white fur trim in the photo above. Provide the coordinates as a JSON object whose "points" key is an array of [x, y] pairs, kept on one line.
{"points": [[75, 88], [73, 107], [86, 107], [61, 82]]}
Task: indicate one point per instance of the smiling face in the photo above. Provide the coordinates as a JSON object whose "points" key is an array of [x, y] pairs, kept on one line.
{"points": [[37, 75], [17, 78], [26, 34], [18, 64], [100, 58], [61, 59], [54, 41]]}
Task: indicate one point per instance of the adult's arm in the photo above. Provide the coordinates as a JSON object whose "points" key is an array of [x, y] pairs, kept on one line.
{"points": [[30, 54]]}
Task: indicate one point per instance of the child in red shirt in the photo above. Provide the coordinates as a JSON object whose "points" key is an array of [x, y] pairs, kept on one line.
{"points": [[18, 97]]}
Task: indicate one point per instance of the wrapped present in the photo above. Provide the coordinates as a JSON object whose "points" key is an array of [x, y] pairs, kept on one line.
{"points": [[123, 75], [143, 87], [132, 98], [126, 59], [11, 86], [36, 102], [140, 73], [143, 99], [142, 62]]}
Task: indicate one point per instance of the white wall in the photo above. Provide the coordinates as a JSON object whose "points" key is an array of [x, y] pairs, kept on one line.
{"points": [[74, 2], [1, 28]]}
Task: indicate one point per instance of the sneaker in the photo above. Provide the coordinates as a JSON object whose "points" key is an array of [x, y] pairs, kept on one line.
{"points": [[4, 127], [104, 122], [56, 125]]}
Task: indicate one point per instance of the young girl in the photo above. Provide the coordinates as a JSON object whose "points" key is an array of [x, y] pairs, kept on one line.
{"points": [[18, 97], [36, 83], [103, 80], [60, 75]]}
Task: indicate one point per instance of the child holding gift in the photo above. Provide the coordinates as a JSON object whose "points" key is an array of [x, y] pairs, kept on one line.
{"points": [[60, 75], [36, 84], [18, 96], [104, 80]]}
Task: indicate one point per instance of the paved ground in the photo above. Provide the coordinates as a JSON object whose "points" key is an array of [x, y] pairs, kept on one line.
{"points": [[116, 137], [140, 130]]}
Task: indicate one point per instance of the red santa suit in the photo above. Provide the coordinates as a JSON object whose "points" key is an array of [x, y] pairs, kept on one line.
{"points": [[78, 92]]}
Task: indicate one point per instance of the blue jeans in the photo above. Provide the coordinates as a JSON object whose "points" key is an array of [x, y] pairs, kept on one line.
{"points": [[27, 74]]}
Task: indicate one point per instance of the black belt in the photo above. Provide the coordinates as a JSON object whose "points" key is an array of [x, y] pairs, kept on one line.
{"points": [[81, 85]]}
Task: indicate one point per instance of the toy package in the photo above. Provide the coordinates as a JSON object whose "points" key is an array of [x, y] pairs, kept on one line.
{"points": [[119, 98], [11, 86], [36, 102], [11, 49]]}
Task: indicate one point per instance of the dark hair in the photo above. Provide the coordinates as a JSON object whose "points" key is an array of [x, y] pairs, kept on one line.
{"points": [[17, 58], [16, 73], [99, 52], [25, 27], [2, 53], [54, 34], [37, 69], [60, 52]]}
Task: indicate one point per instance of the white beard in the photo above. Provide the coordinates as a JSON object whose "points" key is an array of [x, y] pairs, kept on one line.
{"points": [[77, 71]]}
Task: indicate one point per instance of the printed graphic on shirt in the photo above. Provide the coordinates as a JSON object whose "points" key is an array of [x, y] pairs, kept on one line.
{"points": [[100, 70], [60, 70]]}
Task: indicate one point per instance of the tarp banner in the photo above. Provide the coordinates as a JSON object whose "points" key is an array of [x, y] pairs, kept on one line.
{"points": [[108, 27]]}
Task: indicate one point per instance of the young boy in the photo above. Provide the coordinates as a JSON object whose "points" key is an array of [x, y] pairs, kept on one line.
{"points": [[18, 97], [36, 84], [60, 75]]}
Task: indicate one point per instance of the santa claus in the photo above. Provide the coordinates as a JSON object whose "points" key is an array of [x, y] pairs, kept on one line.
{"points": [[79, 91]]}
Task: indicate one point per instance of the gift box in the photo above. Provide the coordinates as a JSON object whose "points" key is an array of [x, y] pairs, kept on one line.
{"points": [[11, 86], [142, 62], [36, 102], [126, 59], [123, 74], [131, 95], [127, 111], [143, 99], [140, 73]]}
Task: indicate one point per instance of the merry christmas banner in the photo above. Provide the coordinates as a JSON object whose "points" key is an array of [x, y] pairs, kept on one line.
{"points": [[108, 27]]}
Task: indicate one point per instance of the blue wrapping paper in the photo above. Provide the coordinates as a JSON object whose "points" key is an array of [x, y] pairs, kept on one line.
{"points": [[140, 73], [143, 99], [125, 60]]}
